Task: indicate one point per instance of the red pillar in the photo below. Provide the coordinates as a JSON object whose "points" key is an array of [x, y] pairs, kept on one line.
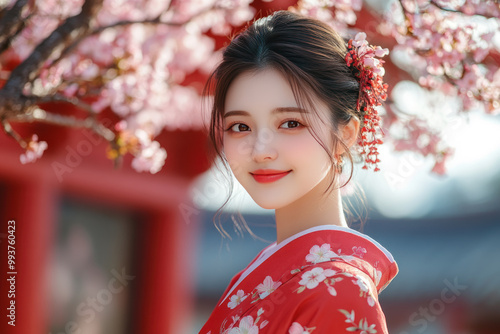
{"points": [[163, 290], [30, 203]]}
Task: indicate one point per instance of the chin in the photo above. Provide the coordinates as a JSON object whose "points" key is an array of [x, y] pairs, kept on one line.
{"points": [[267, 207], [269, 204]]}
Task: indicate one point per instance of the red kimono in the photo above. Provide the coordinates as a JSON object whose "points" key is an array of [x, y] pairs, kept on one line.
{"points": [[323, 280]]}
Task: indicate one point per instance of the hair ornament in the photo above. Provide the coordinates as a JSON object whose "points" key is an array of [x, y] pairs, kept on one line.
{"points": [[369, 71]]}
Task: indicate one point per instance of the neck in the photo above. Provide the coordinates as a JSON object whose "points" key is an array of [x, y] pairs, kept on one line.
{"points": [[312, 209]]}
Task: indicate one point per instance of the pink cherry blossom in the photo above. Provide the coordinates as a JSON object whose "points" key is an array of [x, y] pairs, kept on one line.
{"points": [[34, 151], [379, 52], [297, 328], [312, 278], [137, 71], [236, 299], [359, 251], [319, 254], [363, 284], [150, 159], [246, 326], [359, 39], [267, 287]]}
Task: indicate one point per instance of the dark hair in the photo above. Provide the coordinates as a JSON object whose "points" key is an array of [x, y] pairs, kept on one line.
{"points": [[308, 53]]}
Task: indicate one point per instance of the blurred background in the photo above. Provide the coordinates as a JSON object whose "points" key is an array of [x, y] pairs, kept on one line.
{"points": [[109, 251]]}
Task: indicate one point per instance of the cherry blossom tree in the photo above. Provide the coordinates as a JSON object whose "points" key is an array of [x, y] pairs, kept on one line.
{"points": [[132, 56], [449, 47]]}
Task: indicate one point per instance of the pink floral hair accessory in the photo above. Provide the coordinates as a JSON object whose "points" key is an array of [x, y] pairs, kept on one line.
{"points": [[369, 71]]}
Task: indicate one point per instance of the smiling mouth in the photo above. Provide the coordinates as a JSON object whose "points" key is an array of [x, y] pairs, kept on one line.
{"points": [[269, 177]]}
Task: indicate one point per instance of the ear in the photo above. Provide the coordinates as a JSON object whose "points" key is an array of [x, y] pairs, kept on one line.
{"points": [[349, 134]]}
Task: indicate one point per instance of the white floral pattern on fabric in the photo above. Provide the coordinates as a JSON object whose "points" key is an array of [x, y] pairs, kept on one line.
{"points": [[267, 287], [297, 328], [362, 327], [246, 326], [378, 276], [311, 279], [331, 290], [364, 289], [324, 253], [363, 285], [346, 278], [319, 254], [359, 251], [237, 299]]}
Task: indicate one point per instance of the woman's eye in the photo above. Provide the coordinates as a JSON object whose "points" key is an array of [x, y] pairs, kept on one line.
{"points": [[238, 127], [291, 124]]}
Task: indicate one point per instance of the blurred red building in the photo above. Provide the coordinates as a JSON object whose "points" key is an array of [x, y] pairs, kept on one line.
{"points": [[48, 207]]}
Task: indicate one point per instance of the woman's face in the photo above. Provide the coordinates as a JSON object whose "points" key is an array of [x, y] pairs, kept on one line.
{"points": [[265, 130]]}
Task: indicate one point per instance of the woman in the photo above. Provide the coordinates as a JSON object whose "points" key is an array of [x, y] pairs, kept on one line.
{"points": [[291, 100]]}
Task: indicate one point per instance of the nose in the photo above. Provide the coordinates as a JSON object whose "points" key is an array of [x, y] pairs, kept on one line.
{"points": [[263, 148]]}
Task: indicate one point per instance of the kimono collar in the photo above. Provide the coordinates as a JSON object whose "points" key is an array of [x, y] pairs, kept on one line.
{"points": [[281, 263], [338, 243], [324, 243]]}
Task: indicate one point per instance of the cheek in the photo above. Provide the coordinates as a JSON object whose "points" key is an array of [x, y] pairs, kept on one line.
{"points": [[304, 147], [237, 152]]}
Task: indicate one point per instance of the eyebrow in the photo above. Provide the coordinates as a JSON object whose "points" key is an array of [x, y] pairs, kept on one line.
{"points": [[274, 111]]}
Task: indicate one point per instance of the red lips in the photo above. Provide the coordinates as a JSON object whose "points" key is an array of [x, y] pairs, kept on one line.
{"points": [[268, 175]]}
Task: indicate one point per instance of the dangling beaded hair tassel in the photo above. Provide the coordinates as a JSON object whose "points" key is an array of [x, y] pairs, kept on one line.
{"points": [[369, 71]]}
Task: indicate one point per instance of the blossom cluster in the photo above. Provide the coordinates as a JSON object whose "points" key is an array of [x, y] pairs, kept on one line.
{"points": [[450, 47], [135, 70], [139, 71], [34, 150], [148, 155], [372, 92], [339, 14]]}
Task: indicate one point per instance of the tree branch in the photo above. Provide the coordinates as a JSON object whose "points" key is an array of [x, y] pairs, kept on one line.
{"points": [[73, 28], [39, 115], [10, 131], [434, 3], [63, 99], [12, 23]]}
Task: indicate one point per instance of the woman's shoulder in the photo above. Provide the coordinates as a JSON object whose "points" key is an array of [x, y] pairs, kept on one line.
{"points": [[328, 297], [327, 278], [343, 250], [335, 295]]}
